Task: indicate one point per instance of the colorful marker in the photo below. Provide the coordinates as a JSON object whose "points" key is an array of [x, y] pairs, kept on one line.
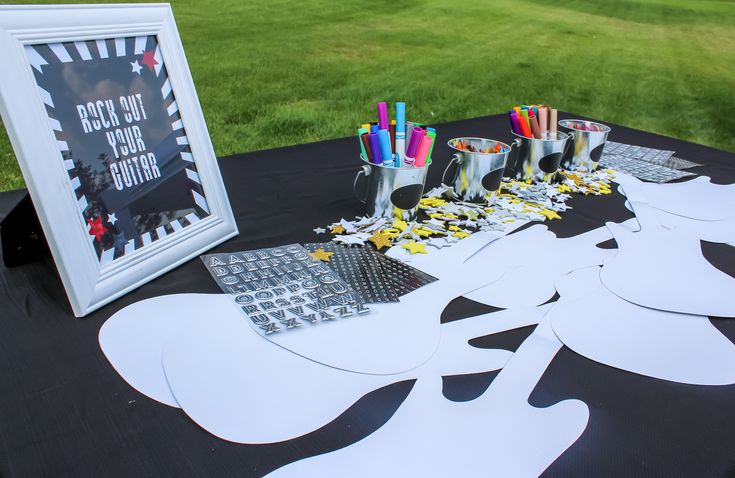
{"points": [[375, 148], [360, 133], [413, 145], [385, 151], [431, 133], [423, 151], [400, 131], [543, 119], [383, 115]]}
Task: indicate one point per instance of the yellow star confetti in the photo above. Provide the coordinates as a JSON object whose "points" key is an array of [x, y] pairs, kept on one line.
{"points": [[414, 247], [549, 214], [380, 239], [421, 232], [338, 229], [391, 232], [400, 225], [461, 234], [321, 255], [431, 202], [454, 228]]}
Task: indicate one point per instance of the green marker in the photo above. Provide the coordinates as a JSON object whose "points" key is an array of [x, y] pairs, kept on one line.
{"points": [[524, 113], [360, 132], [431, 133]]}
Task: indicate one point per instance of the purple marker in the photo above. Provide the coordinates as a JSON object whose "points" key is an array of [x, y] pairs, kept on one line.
{"points": [[383, 115], [514, 124], [375, 148], [413, 145]]}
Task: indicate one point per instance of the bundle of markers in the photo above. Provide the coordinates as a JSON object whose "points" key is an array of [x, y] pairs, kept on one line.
{"points": [[466, 146], [533, 121], [583, 126], [384, 142]]}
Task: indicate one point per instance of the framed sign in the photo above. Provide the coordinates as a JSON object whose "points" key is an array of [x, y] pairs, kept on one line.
{"points": [[104, 119]]}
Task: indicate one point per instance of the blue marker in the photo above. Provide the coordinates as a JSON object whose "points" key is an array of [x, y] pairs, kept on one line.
{"points": [[385, 151], [400, 132]]}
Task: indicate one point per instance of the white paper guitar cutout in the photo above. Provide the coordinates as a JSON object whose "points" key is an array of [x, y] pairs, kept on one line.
{"points": [[540, 258], [351, 344], [498, 434], [599, 325], [246, 390], [133, 337], [664, 269], [696, 199], [722, 231], [146, 325]]}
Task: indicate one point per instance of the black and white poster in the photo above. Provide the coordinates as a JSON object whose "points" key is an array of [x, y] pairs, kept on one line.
{"points": [[121, 138]]}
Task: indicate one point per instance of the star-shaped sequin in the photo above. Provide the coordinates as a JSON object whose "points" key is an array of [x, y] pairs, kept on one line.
{"points": [[321, 255], [352, 239], [380, 239], [149, 60], [437, 242], [96, 228], [414, 247], [337, 229]]}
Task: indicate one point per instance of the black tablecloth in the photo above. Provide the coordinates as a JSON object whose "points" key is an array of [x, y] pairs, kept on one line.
{"points": [[64, 411]]}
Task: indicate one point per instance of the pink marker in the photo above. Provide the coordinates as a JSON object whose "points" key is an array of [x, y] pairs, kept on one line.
{"points": [[413, 145], [423, 152], [543, 119], [383, 122]]}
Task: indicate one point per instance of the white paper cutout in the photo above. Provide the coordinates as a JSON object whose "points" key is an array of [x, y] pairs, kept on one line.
{"points": [[664, 269], [599, 325], [133, 337], [696, 199], [406, 333], [533, 260], [250, 391], [498, 434], [722, 231]]}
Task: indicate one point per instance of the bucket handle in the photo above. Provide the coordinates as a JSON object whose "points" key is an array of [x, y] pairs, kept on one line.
{"points": [[365, 169], [456, 157], [510, 168]]}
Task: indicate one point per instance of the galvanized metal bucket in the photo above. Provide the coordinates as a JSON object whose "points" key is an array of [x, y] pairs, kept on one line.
{"points": [[537, 159], [392, 192], [588, 140], [479, 174]]}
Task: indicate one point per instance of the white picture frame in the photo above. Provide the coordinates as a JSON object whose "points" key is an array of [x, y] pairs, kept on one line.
{"points": [[91, 275]]}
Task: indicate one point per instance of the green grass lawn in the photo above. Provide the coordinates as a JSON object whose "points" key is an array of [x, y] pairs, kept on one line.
{"points": [[272, 73]]}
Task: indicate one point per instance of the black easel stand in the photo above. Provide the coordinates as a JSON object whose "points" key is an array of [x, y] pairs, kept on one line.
{"points": [[22, 238]]}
